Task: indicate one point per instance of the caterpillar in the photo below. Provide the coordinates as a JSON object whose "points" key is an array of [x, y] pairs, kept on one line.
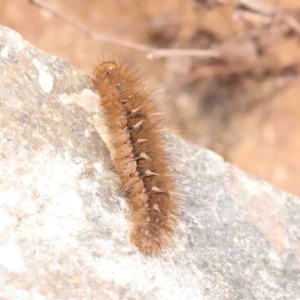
{"points": [[139, 156]]}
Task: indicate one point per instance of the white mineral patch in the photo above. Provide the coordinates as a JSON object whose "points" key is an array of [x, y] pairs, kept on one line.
{"points": [[88, 100], [66, 99], [98, 167], [17, 41], [11, 258], [4, 52], [45, 79], [14, 41], [87, 133], [5, 220]]}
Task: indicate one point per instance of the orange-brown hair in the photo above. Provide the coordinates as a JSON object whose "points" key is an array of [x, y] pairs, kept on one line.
{"points": [[138, 154]]}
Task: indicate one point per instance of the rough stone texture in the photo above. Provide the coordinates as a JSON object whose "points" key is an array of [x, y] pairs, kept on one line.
{"points": [[64, 230]]}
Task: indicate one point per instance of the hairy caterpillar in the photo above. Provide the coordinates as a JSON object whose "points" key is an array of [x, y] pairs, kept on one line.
{"points": [[138, 154]]}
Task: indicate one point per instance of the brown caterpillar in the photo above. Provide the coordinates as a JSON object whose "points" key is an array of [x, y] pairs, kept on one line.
{"points": [[138, 154]]}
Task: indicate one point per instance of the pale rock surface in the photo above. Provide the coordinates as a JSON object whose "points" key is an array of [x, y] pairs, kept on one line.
{"points": [[64, 230]]}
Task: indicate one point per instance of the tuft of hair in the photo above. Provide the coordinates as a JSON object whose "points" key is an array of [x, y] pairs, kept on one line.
{"points": [[139, 155]]}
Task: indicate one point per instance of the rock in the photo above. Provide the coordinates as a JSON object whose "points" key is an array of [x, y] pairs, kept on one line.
{"points": [[64, 229]]}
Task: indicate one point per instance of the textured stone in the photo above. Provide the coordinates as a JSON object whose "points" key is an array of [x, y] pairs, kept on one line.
{"points": [[64, 230]]}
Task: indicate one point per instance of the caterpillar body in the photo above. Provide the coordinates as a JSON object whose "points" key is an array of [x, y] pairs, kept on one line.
{"points": [[139, 155]]}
